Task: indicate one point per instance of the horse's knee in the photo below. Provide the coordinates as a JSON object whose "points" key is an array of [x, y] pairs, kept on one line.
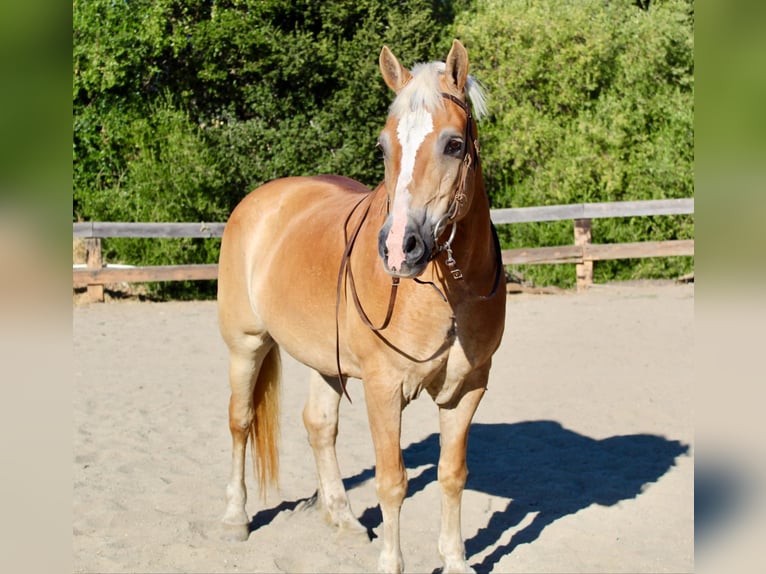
{"points": [[391, 487], [452, 478]]}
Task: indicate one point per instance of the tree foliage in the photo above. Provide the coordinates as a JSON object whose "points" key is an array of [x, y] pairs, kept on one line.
{"points": [[590, 101], [181, 108]]}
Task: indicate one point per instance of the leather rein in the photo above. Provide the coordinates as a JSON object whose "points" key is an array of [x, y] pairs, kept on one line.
{"points": [[450, 218]]}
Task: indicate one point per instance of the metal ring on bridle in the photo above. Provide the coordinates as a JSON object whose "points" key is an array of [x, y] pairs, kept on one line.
{"points": [[448, 243], [445, 220]]}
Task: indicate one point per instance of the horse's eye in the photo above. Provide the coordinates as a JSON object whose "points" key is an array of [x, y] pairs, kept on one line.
{"points": [[381, 149], [454, 147]]}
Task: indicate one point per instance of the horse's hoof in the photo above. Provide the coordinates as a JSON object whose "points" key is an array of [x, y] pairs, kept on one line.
{"points": [[236, 532]]}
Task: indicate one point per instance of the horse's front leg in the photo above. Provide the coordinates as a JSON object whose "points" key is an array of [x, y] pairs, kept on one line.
{"points": [[384, 409], [454, 422]]}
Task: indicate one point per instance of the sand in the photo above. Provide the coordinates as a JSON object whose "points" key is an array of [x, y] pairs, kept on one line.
{"points": [[580, 457]]}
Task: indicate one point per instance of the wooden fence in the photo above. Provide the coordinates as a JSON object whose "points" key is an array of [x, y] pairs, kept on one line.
{"points": [[582, 253]]}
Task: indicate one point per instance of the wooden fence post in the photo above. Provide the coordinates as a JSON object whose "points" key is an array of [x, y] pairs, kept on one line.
{"points": [[584, 270], [94, 260]]}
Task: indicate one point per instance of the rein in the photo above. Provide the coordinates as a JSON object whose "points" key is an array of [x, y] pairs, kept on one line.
{"points": [[345, 271], [470, 160]]}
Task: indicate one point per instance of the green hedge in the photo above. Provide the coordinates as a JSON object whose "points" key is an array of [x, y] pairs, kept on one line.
{"points": [[590, 101], [181, 108]]}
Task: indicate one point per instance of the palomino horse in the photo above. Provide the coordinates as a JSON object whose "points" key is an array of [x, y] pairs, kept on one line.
{"points": [[401, 287]]}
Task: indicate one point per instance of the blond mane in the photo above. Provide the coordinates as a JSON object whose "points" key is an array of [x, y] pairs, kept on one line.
{"points": [[422, 92]]}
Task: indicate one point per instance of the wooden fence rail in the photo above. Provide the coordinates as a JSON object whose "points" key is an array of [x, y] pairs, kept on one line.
{"points": [[583, 253]]}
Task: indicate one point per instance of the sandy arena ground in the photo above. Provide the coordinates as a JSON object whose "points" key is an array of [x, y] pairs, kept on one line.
{"points": [[580, 457]]}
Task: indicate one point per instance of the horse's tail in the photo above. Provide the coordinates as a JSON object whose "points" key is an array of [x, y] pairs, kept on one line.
{"points": [[264, 430]]}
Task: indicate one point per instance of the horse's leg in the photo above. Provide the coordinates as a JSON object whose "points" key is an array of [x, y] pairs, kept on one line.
{"points": [[320, 416], [244, 364], [384, 410], [453, 425]]}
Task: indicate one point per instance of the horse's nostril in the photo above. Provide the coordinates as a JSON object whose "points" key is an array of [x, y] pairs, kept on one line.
{"points": [[410, 244]]}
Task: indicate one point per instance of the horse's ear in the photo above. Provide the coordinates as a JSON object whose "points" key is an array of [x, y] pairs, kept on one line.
{"points": [[457, 66], [395, 75]]}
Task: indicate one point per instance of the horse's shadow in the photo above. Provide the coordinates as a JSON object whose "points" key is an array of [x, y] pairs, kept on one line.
{"points": [[542, 468]]}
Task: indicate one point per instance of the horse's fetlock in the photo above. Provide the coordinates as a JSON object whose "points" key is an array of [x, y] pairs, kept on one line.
{"points": [[390, 562], [336, 503], [236, 493]]}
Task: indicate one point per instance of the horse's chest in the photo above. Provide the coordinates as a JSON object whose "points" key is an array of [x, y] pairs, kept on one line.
{"points": [[436, 347], [432, 358], [445, 373], [460, 363]]}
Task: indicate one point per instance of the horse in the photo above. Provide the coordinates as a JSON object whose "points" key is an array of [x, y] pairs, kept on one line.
{"points": [[401, 287]]}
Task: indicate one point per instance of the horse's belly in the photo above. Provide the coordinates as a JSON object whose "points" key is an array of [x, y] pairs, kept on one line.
{"points": [[299, 313]]}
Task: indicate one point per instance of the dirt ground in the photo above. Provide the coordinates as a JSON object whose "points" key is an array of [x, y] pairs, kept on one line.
{"points": [[581, 455]]}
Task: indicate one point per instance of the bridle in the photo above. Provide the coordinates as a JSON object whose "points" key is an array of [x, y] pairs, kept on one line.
{"points": [[451, 217], [470, 160]]}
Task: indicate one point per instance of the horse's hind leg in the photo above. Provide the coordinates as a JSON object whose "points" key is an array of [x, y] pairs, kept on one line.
{"points": [[245, 360], [320, 416]]}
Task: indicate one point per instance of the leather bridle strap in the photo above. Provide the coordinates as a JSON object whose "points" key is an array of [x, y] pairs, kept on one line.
{"points": [[498, 264], [469, 138], [345, 271], [362, 315], [470, 159]]}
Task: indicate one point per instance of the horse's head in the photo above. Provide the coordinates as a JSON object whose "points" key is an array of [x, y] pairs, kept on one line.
{"points": [[431, 156]]}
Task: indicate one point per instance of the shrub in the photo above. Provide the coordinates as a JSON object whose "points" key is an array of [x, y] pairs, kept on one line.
{"points": [[590, 101], [181, 108]]}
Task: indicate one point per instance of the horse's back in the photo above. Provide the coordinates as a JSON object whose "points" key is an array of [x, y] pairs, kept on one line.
{"points": [[291, 196], [280, 252], [278, 209]]}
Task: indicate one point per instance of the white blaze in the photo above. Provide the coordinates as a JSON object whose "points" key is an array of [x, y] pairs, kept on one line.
{"points": [[411, 131]]}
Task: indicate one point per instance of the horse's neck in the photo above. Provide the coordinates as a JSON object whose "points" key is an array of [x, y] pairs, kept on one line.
{"points": [[374, 219], [474, 249]]}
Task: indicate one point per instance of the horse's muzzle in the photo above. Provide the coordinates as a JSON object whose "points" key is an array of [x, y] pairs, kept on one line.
{"points": [[405, 254]]}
